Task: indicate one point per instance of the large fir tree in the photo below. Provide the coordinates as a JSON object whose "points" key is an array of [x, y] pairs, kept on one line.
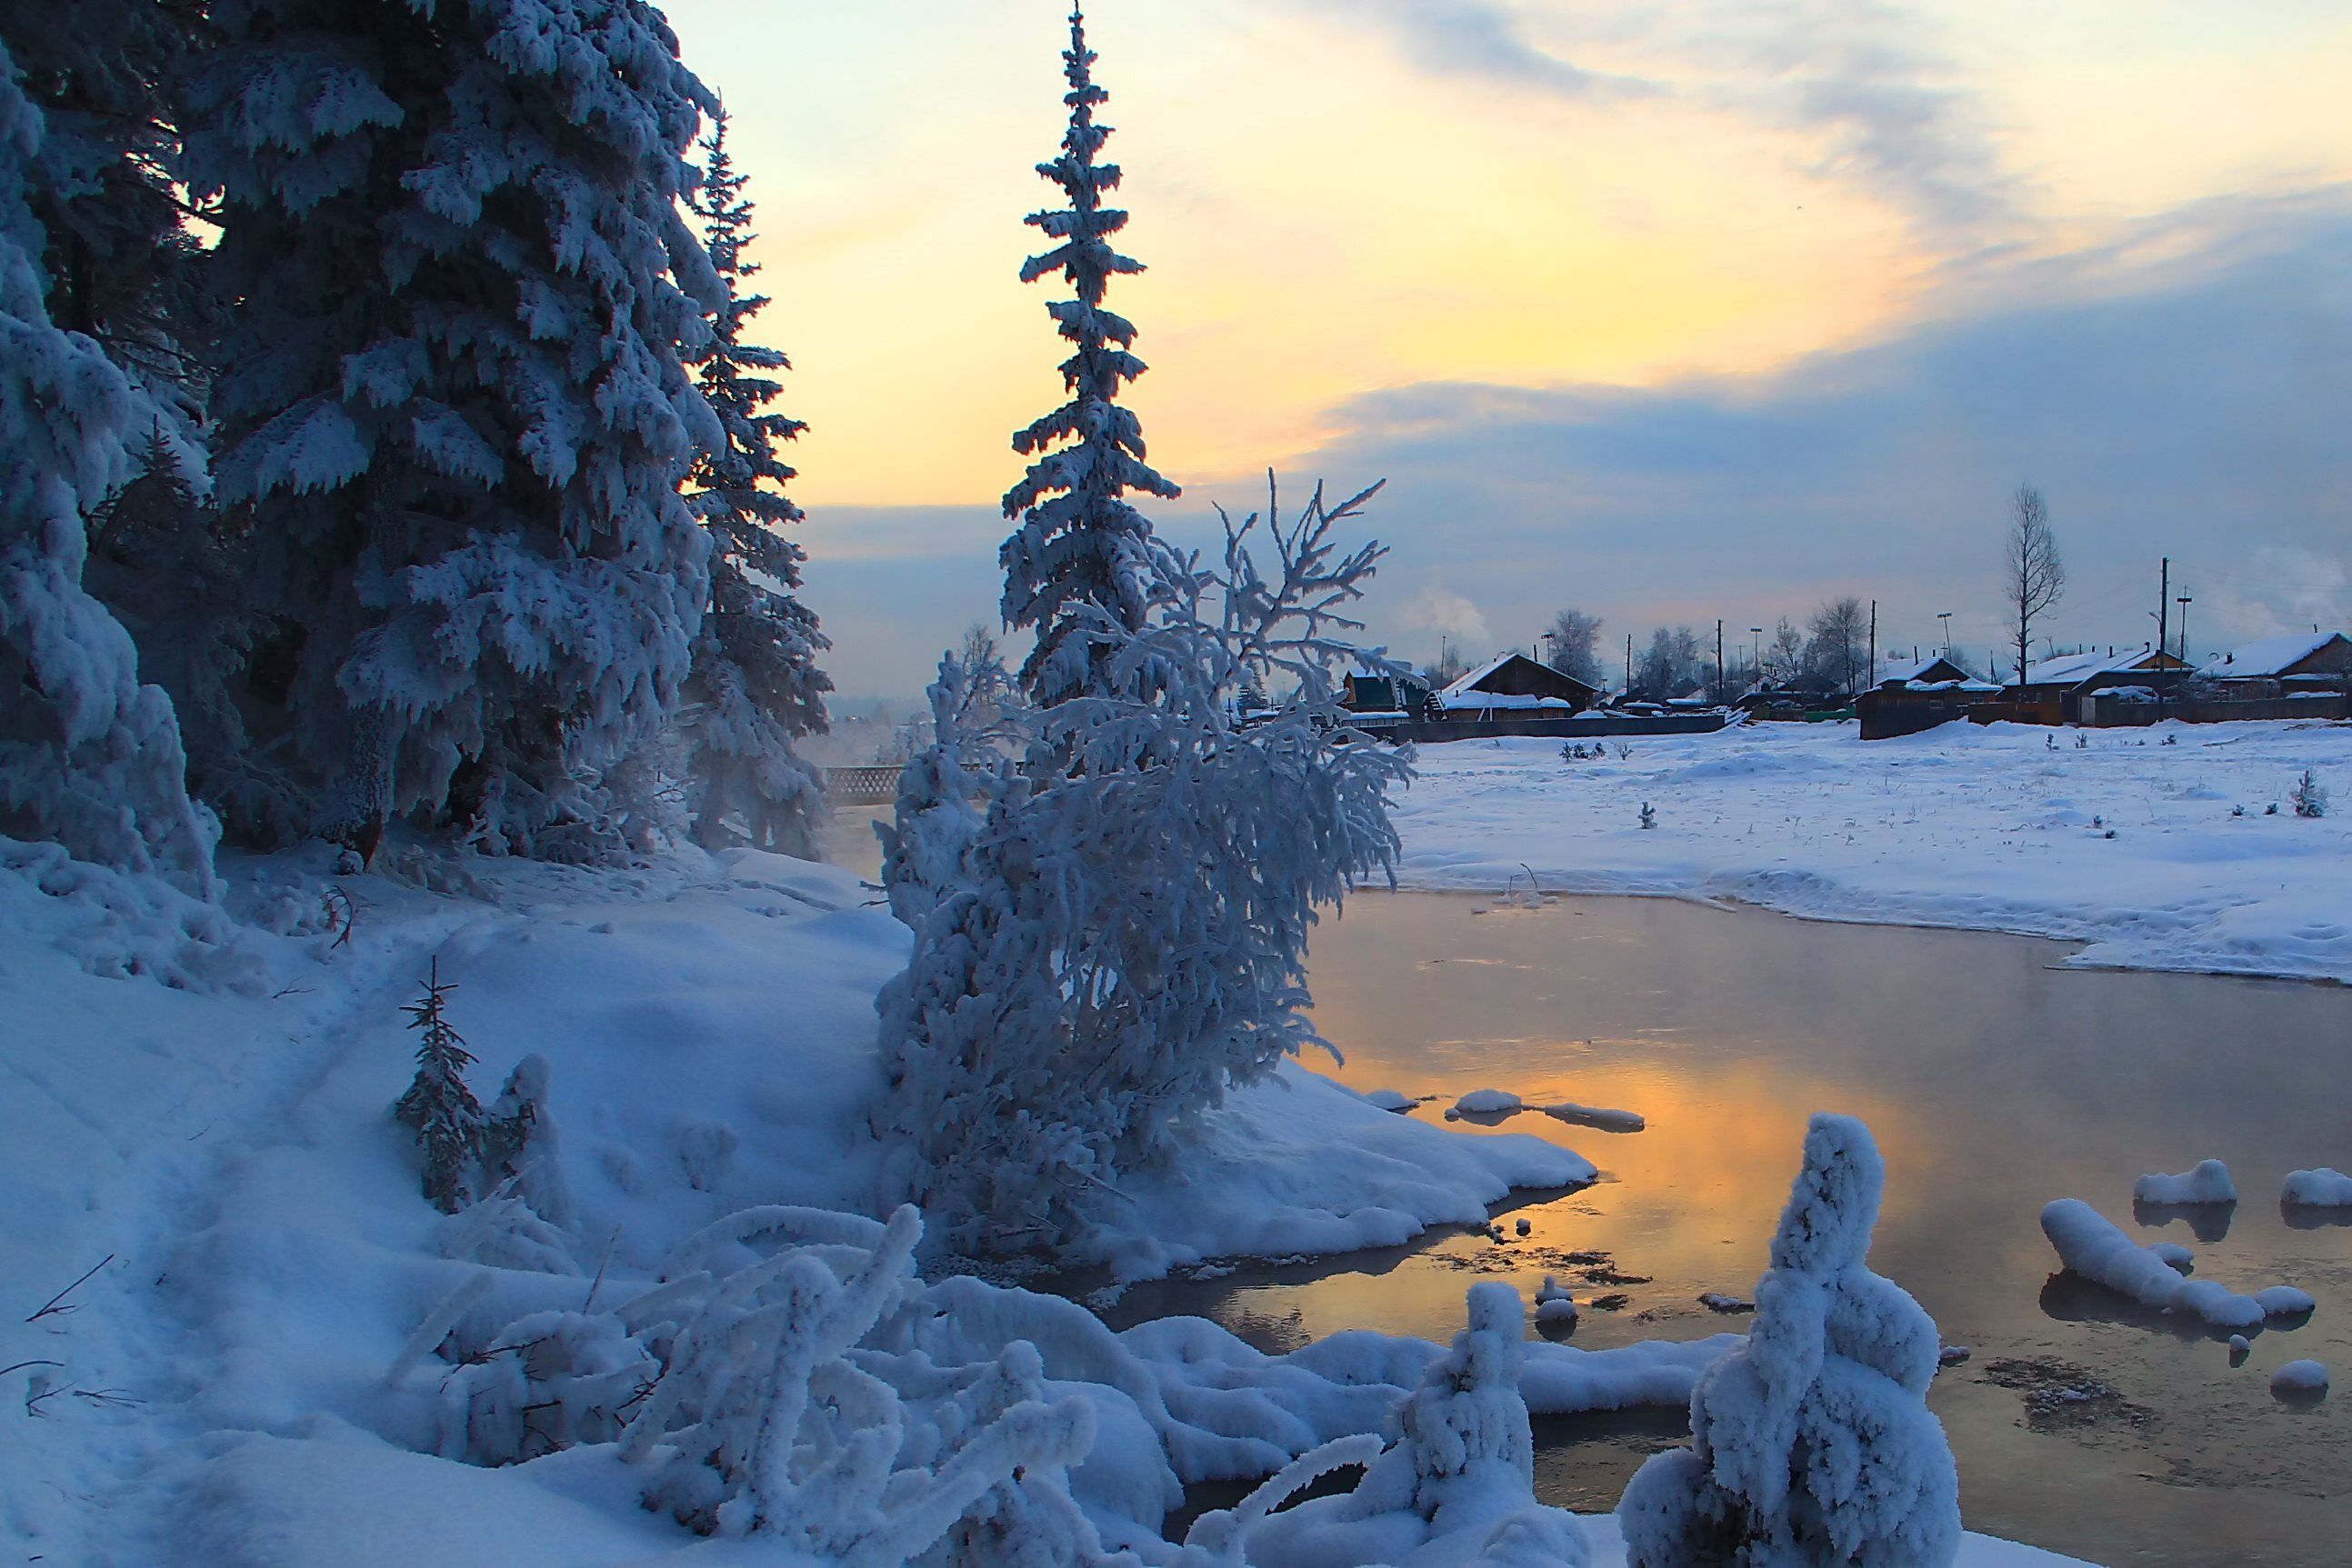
{"points": [[1079, 541], [755, 686], [453, 405], [88, 756]]}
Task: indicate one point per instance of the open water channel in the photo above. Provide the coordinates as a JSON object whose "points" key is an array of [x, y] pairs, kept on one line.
{"points": [[1995, 1081]]}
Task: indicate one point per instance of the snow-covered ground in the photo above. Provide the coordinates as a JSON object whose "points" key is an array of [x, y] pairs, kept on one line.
{"points": [[2131, 843], [217, 1153]]}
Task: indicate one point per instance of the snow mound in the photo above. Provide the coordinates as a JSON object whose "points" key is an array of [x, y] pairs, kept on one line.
{"points": [[1489, 1102], [1396, 1099], [2326, 1188], [1596, 1116], [2208, 1182], [2284, 1302], [2174, 1256], [2091, 1247]]}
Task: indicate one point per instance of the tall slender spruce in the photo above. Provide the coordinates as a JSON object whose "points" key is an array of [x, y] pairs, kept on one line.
{"points": [[755, 686], [1079, 541], [454, 404], [448, 1120]]}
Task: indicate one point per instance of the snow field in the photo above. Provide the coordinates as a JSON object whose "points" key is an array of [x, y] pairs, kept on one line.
{"points": [[1978, 826]]}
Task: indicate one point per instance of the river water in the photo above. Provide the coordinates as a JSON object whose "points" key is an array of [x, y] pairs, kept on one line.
{"points": [[1994, 1080]]}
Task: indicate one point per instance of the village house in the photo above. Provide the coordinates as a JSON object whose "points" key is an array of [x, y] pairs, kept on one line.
{"points": [[1912, 695], [2060, 689], [2315, 663], [1513, 683]]}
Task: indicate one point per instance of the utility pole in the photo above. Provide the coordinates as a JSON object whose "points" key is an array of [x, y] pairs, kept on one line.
{"points": [[1946, 617], [1755, 653], [1719, 681], [2163, 604], [1629, 663], [2182, 601], [1873, 643]]}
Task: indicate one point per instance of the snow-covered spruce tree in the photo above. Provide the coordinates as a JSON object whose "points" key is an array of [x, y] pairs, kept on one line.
{"points": [[1116, 933], [89, 757], [1080, 542], [438, 1104], [755, 686], [1812, 1444], [521, 1144], [454, 407]]}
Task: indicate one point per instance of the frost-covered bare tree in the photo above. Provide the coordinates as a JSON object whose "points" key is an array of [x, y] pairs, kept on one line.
{"points": [[754, 687], [1110, 929], [90, 757], [1080, 543], [1784, 655], [2033, 575], [453, 405], [1573, 645], [1836, 647], [1812, 1444]]}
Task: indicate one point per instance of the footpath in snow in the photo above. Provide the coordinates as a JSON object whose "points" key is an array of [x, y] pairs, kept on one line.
{"points": [[2156, 847]]}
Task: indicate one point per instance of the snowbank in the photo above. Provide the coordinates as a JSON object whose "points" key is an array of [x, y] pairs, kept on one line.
{"points": [[1981, 827]]}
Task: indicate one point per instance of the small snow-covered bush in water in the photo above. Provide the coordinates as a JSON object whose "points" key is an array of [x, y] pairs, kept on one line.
{"points": [[1813, 1444], [1112, 930]]}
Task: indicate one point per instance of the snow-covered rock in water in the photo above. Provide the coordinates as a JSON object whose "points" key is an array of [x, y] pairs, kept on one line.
{"points": [[2089, 1246], [2174, 1256], [1558, 1312], [1456, 1487], [1394, 1099], [1489, 1102], [1812, 1443], [1717, 1302], [2303, 1377], [2326, 1188], [1599, 1116], [2284, 1302], [2207, 1182], [2241, 1347], [1525, 1226]]}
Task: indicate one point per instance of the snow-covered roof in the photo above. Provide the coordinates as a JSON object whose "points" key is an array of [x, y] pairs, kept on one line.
{"points": [[2067, 669], [2269, 656], [1471, 701], [1970, 685], [1463, 693], [1909, 672]]}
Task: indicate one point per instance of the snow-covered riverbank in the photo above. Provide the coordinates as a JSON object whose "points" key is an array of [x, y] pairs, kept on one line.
{"points": [[2132, 842], [217, 1153]]}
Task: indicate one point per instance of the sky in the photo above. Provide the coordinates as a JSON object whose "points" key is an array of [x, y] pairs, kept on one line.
{"points": [[1671, 311]]}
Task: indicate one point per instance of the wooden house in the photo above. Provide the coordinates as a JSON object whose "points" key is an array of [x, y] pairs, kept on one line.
{"points": [[1513, 682], [1912, 695], [2055, 690], [2316, 662]]}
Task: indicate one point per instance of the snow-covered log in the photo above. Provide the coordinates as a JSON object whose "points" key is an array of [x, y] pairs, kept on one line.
{"points": [[2088, 1245]]}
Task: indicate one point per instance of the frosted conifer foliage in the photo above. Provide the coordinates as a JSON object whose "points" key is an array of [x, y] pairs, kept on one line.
{"points": [[1812, 1444], [1080, 542], [454, 404], [1115, 932], [89, 758], [754, 685]]}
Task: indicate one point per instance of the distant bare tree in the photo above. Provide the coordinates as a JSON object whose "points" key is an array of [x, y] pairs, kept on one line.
{"points": [[2033, 577], [1784, 655], [1837, 650], [1575, 641]]}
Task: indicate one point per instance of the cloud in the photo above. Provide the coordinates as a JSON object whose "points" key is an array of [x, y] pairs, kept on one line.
{"points": [[2192, 405], [1478, 37]]}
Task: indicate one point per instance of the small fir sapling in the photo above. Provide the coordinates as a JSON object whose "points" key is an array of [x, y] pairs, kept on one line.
{"points": [[2309, 796], [1649, 815], [447, 1118], [1812, 1444]]}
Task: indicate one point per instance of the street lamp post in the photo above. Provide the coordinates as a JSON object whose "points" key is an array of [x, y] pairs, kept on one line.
{"points": [[1755, 653], [1946, 617]]}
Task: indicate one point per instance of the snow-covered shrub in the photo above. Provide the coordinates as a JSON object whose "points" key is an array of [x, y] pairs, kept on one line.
{"points": [[767, 1420], [521, 1146], [1114, 931], [1813, 1444], [755, 686], [89, 757], [1460, 1464], [438, 1104], [1079, 551], [458, 292], [550, 1380], [2309, 796]]}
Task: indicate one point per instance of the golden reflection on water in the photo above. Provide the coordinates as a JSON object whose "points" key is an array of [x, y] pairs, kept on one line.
{"points": [[1993, 1083]]}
